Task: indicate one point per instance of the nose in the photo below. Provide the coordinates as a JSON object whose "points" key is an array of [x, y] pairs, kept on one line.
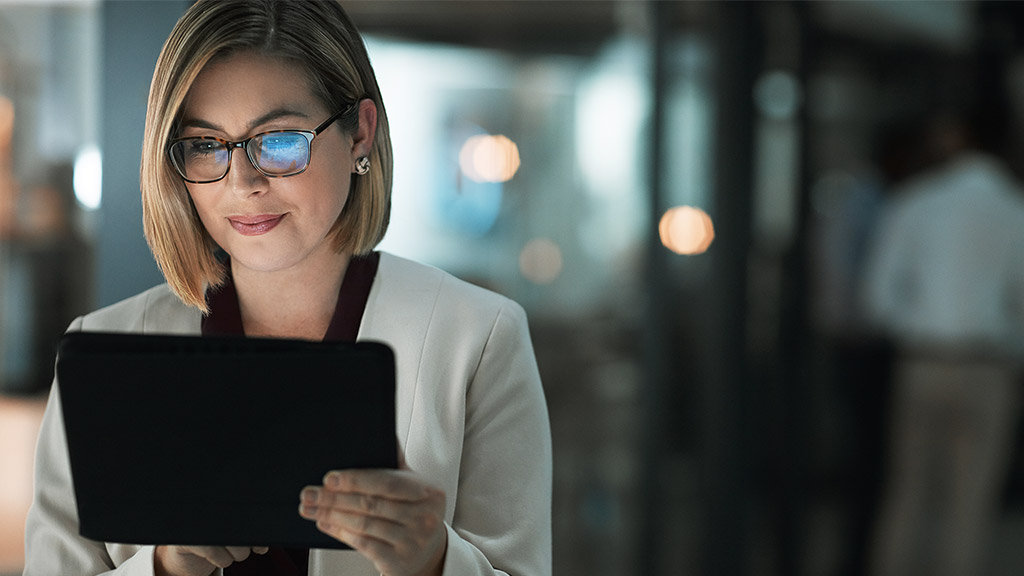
{"points": [[243, 178]]}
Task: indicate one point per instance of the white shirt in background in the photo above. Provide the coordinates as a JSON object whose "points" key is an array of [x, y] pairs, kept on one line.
{"points": [[946, 268]]}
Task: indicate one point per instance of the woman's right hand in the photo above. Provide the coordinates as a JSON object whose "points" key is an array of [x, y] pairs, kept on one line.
{"points": [[199, 560]]}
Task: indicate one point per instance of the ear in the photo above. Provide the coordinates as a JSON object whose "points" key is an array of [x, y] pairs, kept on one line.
{"points": [[362, 139]]}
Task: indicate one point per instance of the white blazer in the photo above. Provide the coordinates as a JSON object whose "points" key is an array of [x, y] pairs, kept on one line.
{"points": [[471, 418]]}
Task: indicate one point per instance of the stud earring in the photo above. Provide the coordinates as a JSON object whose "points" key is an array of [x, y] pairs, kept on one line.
{"points": [[362, 165]]}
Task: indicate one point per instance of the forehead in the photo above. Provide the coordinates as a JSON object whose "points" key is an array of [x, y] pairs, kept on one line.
{"points": [[232, 90]]}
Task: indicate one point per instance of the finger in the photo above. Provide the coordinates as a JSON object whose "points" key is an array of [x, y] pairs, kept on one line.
{"points": [[239, 553], [313, 498], [393, 484], [216, 555], [261, 549], [367, 545], [382, 527], [360, 525]]}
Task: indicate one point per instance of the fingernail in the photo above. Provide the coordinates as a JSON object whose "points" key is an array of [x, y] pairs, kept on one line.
{"points": [[332, 480], [310, 495], [308, 511]]}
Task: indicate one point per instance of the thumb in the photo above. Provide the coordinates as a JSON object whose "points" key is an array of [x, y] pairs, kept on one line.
{"points": [[402, 464]]}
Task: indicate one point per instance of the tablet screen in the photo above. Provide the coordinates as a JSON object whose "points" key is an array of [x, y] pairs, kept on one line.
{"points": [[209, 440]]}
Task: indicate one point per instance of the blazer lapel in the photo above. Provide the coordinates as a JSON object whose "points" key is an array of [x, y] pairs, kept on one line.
{"points": [[398, 313]]}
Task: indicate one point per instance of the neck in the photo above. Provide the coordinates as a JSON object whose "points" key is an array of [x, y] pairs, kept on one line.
{"points": [[294, 303]]}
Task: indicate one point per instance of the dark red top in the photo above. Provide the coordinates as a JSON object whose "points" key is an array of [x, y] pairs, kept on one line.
{"points": [[225, 319]]}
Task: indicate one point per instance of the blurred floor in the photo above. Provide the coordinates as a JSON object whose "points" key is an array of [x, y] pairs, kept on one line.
{"points": [[825, 537], [1008, 552], [19, 427]]}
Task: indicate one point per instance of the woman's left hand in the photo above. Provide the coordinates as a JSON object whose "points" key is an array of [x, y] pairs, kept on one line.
{"points": [[393, 517]]}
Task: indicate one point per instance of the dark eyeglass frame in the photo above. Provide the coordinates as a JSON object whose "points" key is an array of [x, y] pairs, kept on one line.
{"points": [[244, 144]]}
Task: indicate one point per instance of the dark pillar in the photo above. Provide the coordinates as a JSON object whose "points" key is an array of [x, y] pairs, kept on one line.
{"points": [[794, 340], [657, 331], [724, 442]]}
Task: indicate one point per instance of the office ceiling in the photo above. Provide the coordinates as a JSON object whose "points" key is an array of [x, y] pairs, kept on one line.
{"points": [[580, 26], [517, 25]]}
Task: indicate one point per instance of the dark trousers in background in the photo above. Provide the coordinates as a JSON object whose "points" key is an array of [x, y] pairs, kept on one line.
{"points": [[952, 435]]}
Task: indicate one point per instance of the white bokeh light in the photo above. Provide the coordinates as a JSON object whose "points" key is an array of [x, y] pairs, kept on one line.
{"points": [[88, 178]]}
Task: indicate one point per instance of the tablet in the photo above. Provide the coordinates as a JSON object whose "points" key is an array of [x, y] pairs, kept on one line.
{"points": [[209, 440]]}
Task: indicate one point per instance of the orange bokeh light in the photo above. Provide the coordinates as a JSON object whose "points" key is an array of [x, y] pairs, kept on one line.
{"points": [[487, 158], [686, 230]]}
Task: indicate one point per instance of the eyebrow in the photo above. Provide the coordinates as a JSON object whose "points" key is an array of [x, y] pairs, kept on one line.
{"points": [[268, 117]]}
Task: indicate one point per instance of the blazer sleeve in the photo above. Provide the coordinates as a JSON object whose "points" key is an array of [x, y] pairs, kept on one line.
{"points": [[53, 546], [502, 521]]}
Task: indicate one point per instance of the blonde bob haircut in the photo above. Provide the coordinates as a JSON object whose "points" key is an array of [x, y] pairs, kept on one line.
{"points": [[316, 35]]}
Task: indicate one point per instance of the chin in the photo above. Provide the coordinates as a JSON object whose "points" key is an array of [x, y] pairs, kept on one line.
{"points": [[265, 261]]}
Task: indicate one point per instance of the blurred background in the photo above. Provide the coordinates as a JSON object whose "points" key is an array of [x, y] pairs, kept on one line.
{"points": [[694, 202]]}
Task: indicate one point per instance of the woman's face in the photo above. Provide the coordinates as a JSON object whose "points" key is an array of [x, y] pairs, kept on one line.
{"points": [[268, 224]]}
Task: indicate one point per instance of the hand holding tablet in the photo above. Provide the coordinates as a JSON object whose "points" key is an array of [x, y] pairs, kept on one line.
{"points": [[392, 517]]}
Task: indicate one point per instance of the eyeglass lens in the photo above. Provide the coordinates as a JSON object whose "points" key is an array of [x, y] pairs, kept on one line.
{"points": [[275, 154], [280, 153]]}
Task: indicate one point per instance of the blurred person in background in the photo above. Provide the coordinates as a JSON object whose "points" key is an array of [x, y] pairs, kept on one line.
{"points": [[8, 185], [945, 282], [47, 283], [45, 279], [266, 185], [8, 206], [856, 359]]}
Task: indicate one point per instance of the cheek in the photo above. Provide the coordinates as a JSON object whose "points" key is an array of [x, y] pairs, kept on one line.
{"points": [[333, 204], [201, 208]]}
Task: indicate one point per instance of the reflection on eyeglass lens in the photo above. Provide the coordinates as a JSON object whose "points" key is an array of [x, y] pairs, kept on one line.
{"points": [[281, 152]]}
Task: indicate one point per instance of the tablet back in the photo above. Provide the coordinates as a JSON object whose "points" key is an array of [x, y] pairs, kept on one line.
{"points": [[209, 440]]}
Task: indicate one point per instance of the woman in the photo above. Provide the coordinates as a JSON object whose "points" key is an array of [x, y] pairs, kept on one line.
{"points": [[267, 145]]}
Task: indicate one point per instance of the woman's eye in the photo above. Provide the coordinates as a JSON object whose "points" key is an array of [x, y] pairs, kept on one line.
{"points": [[199, 148]]}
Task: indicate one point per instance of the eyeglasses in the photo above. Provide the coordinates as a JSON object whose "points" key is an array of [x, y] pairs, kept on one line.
{"points": [[275, 154]]}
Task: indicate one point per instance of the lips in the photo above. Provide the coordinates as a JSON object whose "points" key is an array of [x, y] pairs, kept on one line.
{"points": [[255, 225]]}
